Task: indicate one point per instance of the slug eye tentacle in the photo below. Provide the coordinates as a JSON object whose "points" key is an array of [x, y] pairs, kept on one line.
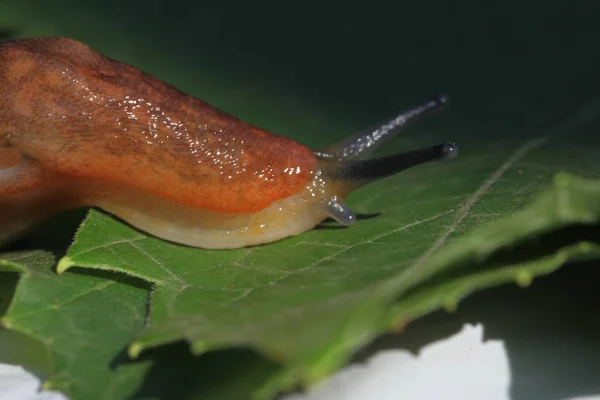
{"points": [[366, 142], [337, 210], [360, 172]]}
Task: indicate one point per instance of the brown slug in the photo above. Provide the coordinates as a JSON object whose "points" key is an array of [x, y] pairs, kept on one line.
{"points": [[80, 129]]}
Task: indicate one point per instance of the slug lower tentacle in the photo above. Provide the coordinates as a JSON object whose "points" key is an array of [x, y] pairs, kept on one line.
{"points": [[80, 129]]}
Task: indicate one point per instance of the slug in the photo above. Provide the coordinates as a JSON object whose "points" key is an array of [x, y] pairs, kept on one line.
{"points": [[80, 129]]}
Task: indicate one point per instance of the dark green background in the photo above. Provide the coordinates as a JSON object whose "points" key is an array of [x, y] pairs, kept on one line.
{"points": [[319, 72], [504, 64]]}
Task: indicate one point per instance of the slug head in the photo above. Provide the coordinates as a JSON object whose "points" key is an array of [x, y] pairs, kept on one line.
{"points": [[342, 168]]}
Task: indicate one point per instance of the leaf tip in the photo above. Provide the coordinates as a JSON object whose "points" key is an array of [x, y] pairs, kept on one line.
{"points": [[135, 349], [586, 247], [278, 356], [562, 179], [524, 278], [48, 385], [198, 347], [64, 264], [450, 305], [54, 385], [398, 324]]}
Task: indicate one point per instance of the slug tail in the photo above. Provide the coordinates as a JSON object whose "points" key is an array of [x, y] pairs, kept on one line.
{"points": [[28, 194]]}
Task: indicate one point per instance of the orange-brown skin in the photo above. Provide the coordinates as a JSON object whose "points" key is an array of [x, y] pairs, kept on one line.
{"points": [[29, 193], [80, 129], [80, 114]]}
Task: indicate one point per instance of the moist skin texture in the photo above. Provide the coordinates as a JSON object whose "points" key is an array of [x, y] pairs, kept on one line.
{"points": [[81, 114], [201, 228], [37, 194], [108, 135]]}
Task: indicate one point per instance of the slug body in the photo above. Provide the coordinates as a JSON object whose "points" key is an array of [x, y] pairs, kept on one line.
{"points": [[80, 129]]}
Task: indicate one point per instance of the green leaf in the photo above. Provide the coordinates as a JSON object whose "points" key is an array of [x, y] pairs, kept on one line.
{"points": [[16, 348], [71, 328], [312, 300]]}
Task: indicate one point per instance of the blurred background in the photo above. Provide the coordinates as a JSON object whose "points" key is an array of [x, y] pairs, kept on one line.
{"points": [[319, 72]]}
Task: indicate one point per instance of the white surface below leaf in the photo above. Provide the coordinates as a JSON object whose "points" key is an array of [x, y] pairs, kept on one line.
{"points": [[462, 366], [18, 384], [459, 367]]}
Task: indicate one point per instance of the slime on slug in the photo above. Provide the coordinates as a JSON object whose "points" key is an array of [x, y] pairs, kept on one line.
{"points": [[80, 129]]}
